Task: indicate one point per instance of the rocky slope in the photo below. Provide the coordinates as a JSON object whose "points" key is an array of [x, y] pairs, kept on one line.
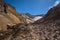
{"points": [[9, 16], [53, 15], [48, 29]]}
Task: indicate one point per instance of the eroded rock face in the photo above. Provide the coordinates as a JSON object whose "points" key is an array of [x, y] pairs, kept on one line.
{"points": [[9, 16], [3, 22]]}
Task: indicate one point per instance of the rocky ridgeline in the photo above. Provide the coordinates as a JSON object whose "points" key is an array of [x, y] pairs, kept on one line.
{"points": [[53, 15]]}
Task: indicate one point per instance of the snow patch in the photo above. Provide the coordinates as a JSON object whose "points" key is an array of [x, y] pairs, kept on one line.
{"points": [[37, 18], [56, 3]]}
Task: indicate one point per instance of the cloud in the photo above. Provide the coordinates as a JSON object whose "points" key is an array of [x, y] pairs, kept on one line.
{"points": [[56, 3]]}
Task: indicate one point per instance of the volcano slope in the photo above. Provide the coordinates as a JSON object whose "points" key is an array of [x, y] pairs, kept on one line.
{"points": [[47, 28]]}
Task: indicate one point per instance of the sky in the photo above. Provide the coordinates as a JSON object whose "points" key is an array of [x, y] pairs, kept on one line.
{"points": [[34, 7]]}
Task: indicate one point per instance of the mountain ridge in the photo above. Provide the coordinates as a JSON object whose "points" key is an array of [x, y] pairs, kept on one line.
{"points": [[52, 15]]}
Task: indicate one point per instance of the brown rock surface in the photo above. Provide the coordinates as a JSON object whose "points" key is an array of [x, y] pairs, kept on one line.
{"points": [[53, 15], [9, 16], [47, 29]]}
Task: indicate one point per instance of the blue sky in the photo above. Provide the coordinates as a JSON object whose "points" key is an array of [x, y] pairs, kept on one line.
{"points": [[34, 7]]}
